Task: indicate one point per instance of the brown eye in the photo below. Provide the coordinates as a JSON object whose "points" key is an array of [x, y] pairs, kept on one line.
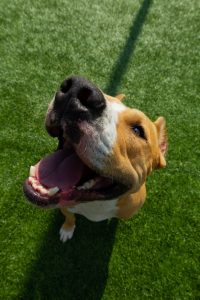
{"points": [[139, 131]]}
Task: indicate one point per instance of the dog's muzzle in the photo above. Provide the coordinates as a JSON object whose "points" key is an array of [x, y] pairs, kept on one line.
{"points": [[77, 100], [73, 173]]}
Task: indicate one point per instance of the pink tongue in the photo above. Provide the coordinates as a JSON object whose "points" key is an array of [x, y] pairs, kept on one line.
{"points": [[60, 169]]}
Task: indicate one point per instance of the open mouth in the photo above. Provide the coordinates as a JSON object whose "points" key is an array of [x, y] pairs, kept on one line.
{"points": [[63, 179]]}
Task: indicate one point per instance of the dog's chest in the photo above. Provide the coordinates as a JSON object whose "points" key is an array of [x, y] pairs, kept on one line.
{"points": [[96, 210]]}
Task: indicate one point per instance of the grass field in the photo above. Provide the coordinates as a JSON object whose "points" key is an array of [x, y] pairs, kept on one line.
{"points": [[148, 50]]}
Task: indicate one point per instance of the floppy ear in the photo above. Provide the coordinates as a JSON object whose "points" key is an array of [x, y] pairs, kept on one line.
{"points": [[120, 97], [160, 124]]}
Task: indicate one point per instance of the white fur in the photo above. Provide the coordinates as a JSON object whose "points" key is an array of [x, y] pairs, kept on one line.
{"points": [[118, 107], [99, 137], [66, 234], [95, 145], [96, 210]]}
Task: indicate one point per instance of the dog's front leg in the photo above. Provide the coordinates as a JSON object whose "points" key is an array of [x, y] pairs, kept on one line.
{"points": [[68, 227]]}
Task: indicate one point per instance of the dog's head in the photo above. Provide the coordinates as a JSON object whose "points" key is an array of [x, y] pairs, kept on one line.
{"points": [[105, 148]]}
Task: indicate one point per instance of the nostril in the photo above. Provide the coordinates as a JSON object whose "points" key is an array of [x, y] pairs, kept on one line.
{"points": [[66, 85], [84, 95], [54, 131]]}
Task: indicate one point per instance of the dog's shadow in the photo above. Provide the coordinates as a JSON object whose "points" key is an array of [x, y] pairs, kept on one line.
{"points": [[77, 269]]}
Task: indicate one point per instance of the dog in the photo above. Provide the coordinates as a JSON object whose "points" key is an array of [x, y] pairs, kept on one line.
{"points": [[105, 152]]}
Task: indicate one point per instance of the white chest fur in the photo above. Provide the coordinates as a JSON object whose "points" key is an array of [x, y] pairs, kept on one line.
{"points": [[96, 210]]}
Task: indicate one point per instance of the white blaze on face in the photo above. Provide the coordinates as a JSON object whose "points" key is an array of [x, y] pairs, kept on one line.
{"points": [[99, 136]]}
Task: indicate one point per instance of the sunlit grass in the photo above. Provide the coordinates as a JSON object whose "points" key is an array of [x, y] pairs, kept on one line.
{"points": [[156, 254]]}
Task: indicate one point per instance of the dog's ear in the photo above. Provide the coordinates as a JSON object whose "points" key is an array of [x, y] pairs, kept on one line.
{"points": [[160, 124], [120, 97]]}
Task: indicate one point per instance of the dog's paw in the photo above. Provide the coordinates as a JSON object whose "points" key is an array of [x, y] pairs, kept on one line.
{"points": [[66, 234]]}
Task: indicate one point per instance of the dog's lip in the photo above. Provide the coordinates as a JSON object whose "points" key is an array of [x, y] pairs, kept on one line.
{"points": [[104, 189], [35, 198], [70, 198]]}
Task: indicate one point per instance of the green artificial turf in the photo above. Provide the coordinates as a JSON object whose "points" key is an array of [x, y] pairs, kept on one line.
{"points": [[148, 50]]}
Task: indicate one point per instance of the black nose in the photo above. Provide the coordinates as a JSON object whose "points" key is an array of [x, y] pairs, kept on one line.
{"points": [[78, 98]]}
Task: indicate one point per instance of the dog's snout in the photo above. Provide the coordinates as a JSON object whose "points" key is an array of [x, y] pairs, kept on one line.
{"points": [[66, 85], [79, 98]]}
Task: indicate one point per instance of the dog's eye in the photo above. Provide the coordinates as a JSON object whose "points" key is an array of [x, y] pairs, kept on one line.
{"points": [[139, 131]]}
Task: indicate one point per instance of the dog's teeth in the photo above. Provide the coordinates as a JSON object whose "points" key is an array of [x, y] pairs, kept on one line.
{"points": [[89, 184], [32, 171], [35, 185], [80, 187], [53, 191], [86, 185], [33, 181], [42, 190]]}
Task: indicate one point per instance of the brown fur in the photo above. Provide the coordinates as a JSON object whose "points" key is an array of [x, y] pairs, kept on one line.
{"points": [[132, 164], [69, 219]]}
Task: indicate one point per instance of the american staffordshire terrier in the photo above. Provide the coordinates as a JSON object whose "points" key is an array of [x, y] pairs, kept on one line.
{"points": [[105, 153]]}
